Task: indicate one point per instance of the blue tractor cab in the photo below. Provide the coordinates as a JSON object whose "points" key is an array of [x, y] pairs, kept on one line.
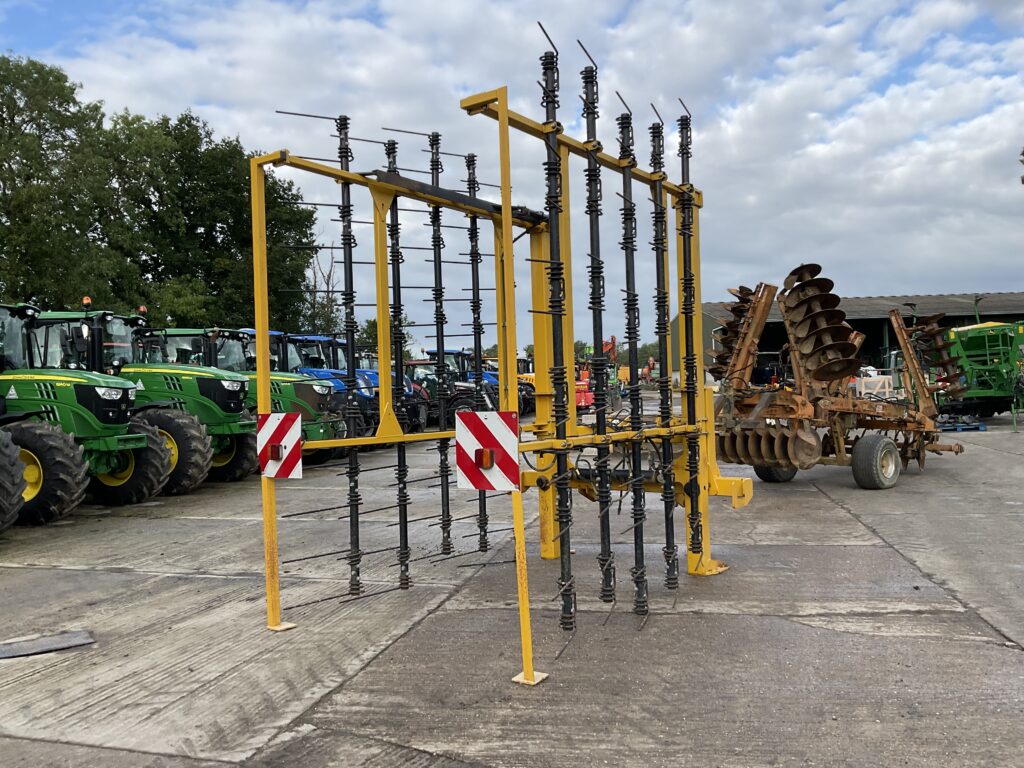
{"points": [[287, 355], [324, 357]]}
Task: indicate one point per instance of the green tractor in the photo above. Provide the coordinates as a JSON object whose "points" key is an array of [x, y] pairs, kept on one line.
{"points": [[231, 350], [76, 431], [199, 411]]}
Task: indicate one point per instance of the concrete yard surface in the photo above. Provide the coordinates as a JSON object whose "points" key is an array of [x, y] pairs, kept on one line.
{"points": [[853, 628]]}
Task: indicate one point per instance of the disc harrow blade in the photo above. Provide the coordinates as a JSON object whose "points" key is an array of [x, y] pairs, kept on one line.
{"points": [[815, 286], [801, 274]]}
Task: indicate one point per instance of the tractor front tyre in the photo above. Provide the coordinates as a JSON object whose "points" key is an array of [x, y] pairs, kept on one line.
{"points": [[235, 462], [191, 451], [12, 482], [876, 462], [55, 472], [141, 473], [775, 474]]}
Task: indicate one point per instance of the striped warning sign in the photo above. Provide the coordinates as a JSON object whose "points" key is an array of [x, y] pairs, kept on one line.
{"points": [[279, 445], [487, 450]]}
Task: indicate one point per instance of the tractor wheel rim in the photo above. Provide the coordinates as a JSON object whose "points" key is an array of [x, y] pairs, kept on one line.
{"points": [[887, 463], [33, 474], [225, 456], [119, 476], [172, 446]]}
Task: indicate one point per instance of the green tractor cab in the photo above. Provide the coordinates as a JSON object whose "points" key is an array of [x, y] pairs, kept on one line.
{"points": [[231, 350], [82, 431], [199, 411]]}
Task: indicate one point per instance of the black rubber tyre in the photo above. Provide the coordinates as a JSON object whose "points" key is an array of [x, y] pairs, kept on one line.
{"points": [[56, 471], [237, 463], [12, 482], [459, 404], [876, 462], [775, 474], [191, 451], [144, 475]]}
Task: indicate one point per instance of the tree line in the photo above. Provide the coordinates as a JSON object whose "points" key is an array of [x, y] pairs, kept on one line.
{"points": [[131, 211]]}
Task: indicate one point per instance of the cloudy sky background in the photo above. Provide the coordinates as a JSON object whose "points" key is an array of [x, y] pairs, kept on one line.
{"points": [[877, 138]]}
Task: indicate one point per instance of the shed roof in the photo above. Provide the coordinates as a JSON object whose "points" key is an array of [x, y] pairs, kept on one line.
{"points": [[871, 307]]}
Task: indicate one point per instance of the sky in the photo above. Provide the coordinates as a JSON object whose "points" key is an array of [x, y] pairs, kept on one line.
{"points": [[879, 139]]}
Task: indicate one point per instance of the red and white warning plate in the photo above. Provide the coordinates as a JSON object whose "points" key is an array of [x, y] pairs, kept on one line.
{"points": [[487, 450], [279, 445]]}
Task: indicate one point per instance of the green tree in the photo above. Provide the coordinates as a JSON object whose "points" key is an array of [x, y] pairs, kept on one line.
{"points": [[54, 187], [145, 211], [185, 224], [366, 336]]}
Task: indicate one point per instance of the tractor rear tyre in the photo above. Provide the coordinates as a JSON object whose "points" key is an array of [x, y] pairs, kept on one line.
{"points": [[876, 462], [775, 474], [142, 474], [458, 405], [12, 482], [237, 461], [190, 448], [55, 472]]}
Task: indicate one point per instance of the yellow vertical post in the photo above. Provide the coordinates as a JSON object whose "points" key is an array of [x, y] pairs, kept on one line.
{"points": [[550, 544], [388, 426], [508, 386], [701, 563], [507, 372], [568, 333], [262, 313]]}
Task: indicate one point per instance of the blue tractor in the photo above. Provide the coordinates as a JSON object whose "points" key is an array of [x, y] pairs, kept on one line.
{"points": [[324, 357], [286, 356]]}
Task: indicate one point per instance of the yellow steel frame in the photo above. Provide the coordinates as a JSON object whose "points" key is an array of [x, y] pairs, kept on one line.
{"points": [[494, 104], [738, 490], [389, 431]]}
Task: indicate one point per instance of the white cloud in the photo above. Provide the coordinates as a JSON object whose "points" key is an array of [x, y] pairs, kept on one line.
{"points": [[876, 138]]}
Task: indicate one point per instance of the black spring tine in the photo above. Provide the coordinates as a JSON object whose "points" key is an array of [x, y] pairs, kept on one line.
{"points": [[314, 557], [455, 519], [345, 597], [484, 563]]}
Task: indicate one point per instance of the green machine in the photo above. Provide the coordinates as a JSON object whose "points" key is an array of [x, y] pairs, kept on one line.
{"points": [[78, 431], [991, 356], [230, 350], [199, 411]]}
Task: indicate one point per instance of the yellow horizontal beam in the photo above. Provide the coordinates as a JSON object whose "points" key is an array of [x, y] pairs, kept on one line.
{"points": [[533, 446], [284, 157], [356, 442], [482, 104]]}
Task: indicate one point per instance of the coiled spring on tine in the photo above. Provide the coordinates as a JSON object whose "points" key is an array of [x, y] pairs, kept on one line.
{"points": [[689, 308], [663, 446], [476, 307], [631, 302], [599, 361]]}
